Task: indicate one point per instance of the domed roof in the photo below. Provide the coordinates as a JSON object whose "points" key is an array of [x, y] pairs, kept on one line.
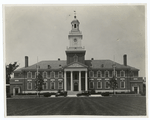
{"points": [[75, 20]]}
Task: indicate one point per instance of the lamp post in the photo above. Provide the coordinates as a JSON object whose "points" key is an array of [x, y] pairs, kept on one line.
{"points": [[23, 71]]}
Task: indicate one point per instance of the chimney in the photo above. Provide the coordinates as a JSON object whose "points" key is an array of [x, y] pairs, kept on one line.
{"points": [[92, 58], [58, 59], [26, 61], [125, 60]]}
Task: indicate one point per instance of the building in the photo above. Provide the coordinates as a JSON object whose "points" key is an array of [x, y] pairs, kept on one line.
{"points": [[76, 74]]}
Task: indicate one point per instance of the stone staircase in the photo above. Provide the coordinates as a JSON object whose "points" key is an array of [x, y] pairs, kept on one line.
{"points": [[72, 93]]}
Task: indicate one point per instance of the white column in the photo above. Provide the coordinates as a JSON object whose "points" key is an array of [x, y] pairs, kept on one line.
{"points": [[79, 80], [71, 82], [138, 90], [86, 85], [65, 80], [13, 91]]}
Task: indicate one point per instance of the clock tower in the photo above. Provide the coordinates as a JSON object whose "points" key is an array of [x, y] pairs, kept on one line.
{"points": [[75, 52]]}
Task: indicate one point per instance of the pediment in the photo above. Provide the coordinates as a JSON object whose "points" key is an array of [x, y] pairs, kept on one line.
{"points": [[76, 65]]}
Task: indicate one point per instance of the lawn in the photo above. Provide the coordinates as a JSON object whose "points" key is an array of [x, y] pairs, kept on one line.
{"points": [[104, 106]]}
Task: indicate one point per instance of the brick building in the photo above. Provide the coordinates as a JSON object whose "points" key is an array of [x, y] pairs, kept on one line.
{"points": [[76, 74]]}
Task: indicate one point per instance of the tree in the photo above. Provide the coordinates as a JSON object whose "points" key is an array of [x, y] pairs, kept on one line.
{"points": [[9, 70], [113, 83], [39, 83]]}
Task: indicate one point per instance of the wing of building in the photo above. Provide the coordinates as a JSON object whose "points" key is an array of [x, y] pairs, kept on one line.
{"points": [[76, 74]]}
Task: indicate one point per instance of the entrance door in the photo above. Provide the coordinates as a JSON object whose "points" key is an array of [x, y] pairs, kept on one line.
{"points": [[16, 91], [135, 90], [76, 86]]}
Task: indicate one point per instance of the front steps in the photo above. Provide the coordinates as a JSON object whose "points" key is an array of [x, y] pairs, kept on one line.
{"points": [[72, 93]]}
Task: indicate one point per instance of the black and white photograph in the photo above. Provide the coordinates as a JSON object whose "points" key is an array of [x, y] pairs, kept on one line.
{"points": [[75, 60]]}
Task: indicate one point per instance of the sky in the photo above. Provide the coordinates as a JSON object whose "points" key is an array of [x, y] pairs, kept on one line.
{"points": [[109, 32]]}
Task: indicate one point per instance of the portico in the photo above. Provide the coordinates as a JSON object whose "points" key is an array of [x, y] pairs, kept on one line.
{"points": [[75, 79]]}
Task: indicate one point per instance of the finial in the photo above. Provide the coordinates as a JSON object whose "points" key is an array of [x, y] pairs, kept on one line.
{"points": [[74, 14]]}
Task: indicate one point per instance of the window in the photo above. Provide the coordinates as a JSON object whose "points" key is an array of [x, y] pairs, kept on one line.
{"points": [[29, 75], [45, 85], [33, 75], [98, 74], [99, 84], [52, 85], [74, 25], [75, 58], [56, 74], [29, 86], [60, 85], [52, 74], [107, 74], [118, 74], [91, 85], [122, 84], [91, 73], [107, 85], [122, 73], [44, 74], [60, 74]]}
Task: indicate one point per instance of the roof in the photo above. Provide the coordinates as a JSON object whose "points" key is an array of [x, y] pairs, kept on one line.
{"points": [[95, 64], [107, 64], [75, 20]]}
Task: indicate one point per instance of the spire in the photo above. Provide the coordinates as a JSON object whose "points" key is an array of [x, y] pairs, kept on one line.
{"points": [[74, 14]]}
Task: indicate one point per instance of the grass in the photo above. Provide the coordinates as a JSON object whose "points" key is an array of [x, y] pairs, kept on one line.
{"points": [[106, 106]]}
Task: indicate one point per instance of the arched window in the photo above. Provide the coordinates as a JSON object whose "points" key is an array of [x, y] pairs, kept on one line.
{"points": [[106, 74], [60, 74], [122, 84], [29, 85], [29, 75], [91, 84], [99, 85], [91, 73], [52, 85], [74, 25], [44, 74], [45, 85], [122, 73], [52, 74], [98, 74]]}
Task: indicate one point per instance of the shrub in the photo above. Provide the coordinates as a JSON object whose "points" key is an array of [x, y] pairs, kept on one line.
{"points": [[47, 94], [92, 91], [59, 91], [85, 93], [8, 95], [105, 94], [30, 93], [52, 93]]}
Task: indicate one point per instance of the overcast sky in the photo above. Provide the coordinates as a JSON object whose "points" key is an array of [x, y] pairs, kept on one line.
{"points": [[108, 31]]}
